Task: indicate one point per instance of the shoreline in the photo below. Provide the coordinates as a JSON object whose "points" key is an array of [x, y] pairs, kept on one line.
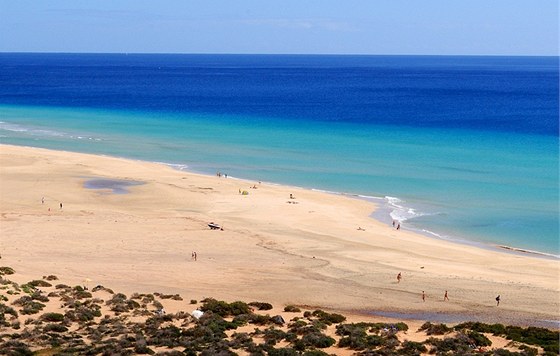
{"points": [[313, 245], [376, 207]]}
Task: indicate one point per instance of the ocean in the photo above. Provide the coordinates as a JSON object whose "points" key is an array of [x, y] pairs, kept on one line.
{"points": [[459, 148]]}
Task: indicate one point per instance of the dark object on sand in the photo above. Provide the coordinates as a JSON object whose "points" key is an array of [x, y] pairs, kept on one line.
{"points": [[277, 319], [214, 226]]}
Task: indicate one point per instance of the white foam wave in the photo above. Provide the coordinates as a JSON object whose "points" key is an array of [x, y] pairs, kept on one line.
{"points": [[34, 131], [400, 212], [177, 166]]}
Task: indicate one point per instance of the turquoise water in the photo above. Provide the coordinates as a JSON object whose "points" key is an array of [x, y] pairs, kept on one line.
{"points": [[490, 187]]}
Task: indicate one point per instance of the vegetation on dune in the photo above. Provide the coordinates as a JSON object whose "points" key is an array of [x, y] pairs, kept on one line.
{"points": [[139, 325]]}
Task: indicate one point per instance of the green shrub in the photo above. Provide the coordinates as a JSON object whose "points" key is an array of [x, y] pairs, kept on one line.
{"points": [[216, 306], [329, 318], [57, 328], [315, 353], [52, 317], [39, 283], [319, 340], [6, 270], [194, 301], [261, 305], [479, 339], [435, 329], [258, 319], [291, 309], [285, 351], [32, 308], [237, 308], [412, 348], [273, 335], [225, 309]]}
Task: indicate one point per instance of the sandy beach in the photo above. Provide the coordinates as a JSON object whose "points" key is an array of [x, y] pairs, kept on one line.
{"points": [[314, 249]]}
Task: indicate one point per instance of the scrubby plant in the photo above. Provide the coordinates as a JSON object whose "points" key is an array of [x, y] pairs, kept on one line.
{"points": [[291, 309], [258, 319], [120, 304], [194, 301], [329, 318], [318, 340], [51, 277], [57, 328], [6, 270], [460, 344], [261, 305], [545, 338], [478, 339], [39, 283], [273, 335], [435, 329], [412, 348], [52, 317], [225, 309]]}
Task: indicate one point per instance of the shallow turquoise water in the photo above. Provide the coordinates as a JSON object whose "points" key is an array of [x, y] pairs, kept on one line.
{"points": [[498, 188]]}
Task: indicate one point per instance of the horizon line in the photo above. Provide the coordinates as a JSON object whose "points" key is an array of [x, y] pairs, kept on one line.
{"points": [[286, 54]]}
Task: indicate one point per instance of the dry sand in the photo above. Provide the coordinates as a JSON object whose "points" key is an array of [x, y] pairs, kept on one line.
{"points": [[305, 251]]}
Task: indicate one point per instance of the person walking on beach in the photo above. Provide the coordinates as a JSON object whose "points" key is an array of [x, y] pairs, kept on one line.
{"points": [[398, 226], [43, 200], [445, 297], [60, 205], [399, 277], [498, 300], [423, 296]]}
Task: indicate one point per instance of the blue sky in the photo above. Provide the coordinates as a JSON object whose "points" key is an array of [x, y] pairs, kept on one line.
{"points": [[444, 27]]}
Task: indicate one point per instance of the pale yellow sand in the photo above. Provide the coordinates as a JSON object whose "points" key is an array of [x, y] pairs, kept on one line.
{"points": [[305, 251]]}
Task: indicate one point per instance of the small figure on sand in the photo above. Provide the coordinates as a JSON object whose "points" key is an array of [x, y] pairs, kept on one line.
{"points": [[398, 226], [60, 205], [394, 223], [292, 196], [43, 200], [361, 228], [193, 256], [498, 300], [445, 297], [423, 296], [399, 277]]}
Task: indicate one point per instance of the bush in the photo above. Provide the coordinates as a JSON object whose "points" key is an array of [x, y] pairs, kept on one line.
{"points": [[39, 283], [412, 348], [32, 307], [6, 270], [319, 340], [435, 329], [225, 309], [479, 339], [57, 328], [52, 317], [328, 318], [291, 309], [261, 305]]}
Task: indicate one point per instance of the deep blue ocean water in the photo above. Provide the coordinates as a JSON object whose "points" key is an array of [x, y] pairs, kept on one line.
{"points": [[458, 147]]}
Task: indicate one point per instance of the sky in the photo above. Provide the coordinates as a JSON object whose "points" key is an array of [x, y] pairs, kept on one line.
{"points": [[426, 27]]}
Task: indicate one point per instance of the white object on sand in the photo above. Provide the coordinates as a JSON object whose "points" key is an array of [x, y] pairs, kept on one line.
{"points": [[197, 313]]}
